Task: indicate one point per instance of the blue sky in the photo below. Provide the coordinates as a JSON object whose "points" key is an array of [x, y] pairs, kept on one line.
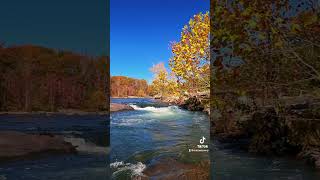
{"points": [[75, 25], [141, 32]]}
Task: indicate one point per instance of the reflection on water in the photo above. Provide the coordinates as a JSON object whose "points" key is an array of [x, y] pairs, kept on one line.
{"points": [[151, 132]]}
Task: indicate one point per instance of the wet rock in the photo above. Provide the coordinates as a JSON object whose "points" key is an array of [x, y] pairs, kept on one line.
{"points": [[114, 107], [172, 100], [140, 177], [291, 129], [171, 169], [193, 104], [17, 145]]}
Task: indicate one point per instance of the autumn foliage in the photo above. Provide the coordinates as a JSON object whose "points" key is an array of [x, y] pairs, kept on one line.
{"points": [[267, 47], [190, 62], [163, 83], [122, 86], [35, 78]]}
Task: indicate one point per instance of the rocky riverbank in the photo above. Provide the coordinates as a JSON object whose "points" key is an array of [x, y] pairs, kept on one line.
{"points": [[18, 145], [292, 128], [192, 102]]}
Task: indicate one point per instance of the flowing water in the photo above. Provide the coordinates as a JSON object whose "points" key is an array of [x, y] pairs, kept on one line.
{"points": [[88, 132], [230, 163], [151, 132], [139, 138]]}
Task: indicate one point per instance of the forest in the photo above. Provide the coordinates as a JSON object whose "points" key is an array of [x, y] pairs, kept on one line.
{"points": [[34, 78], [122, 86]]}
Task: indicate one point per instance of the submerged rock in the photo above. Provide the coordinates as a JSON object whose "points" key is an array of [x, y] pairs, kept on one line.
{"points": [[114, 107], [16, 145]]}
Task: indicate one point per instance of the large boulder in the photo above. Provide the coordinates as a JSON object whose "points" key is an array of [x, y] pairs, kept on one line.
{"points": [[16, 145], [193, 104], [114, 107]]}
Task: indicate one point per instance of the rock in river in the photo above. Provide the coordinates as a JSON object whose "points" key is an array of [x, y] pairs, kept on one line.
{"points": [[171, 169], [114, 107], [17, 145]]}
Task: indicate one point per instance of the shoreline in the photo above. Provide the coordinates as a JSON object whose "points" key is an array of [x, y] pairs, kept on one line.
{"points": [[293, 132], [54, 113], [132, 97], [190, 104]]}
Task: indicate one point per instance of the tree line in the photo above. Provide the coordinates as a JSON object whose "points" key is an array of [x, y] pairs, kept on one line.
{"points": [[122, 86], [34, 78]]}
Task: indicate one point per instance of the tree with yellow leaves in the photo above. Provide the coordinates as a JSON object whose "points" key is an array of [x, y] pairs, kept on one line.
{"points": [[162, 84], [190, 62]]}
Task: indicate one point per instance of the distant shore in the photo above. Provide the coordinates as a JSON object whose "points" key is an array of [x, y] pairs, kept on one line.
{"points": [[62, 112], [192, 104], [130, 97], [114, 107]]}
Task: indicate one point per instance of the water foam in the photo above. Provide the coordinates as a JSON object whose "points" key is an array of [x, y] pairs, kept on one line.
{"points": [[162, 110], [87, 147], [151, 114], [135, 169], [127, 122]]}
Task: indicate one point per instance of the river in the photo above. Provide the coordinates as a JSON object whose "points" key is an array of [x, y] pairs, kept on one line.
{"points": [[154, 130], [139, 138], [88, 132], [151, 132], [231, 163]]}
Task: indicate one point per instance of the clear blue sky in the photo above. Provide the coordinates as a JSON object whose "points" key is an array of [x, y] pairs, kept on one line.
{"points": [[75, 25], [141, 32]]}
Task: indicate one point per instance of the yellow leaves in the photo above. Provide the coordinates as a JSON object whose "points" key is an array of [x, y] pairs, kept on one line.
{"points": [[189, 62], [201, 51], [162, 83], [191, 51]]}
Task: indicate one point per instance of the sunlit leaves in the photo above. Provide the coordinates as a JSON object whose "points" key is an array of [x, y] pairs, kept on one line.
{"points": [[163, 84], [277, 42], [190, 60]]}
